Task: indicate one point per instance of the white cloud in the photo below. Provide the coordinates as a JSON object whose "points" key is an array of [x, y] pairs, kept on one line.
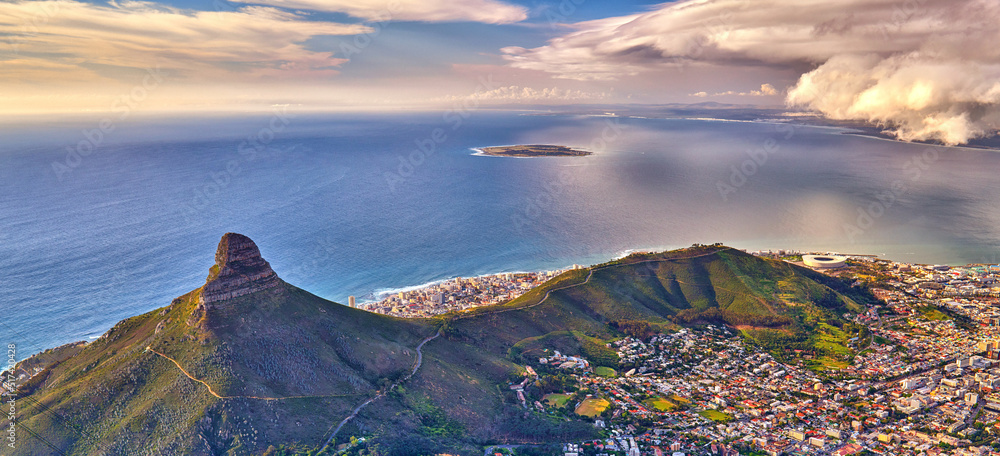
{"points": [[488, 11], [514, 94], [921, 96], [766, 90], [58, 41], [926, 68], [699, 94]]}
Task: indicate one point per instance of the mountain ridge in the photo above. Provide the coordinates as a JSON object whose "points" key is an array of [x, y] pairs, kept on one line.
{"points": [[261, 362]]}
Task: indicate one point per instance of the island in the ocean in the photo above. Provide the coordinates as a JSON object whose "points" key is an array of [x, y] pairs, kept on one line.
{"points": [[533, 150]]}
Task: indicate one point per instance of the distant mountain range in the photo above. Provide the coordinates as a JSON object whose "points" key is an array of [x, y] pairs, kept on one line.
{"points": [[248, 364], [744, 113]]}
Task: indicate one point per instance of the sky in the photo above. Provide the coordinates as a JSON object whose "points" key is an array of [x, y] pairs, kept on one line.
{"points": [[925, 69]]}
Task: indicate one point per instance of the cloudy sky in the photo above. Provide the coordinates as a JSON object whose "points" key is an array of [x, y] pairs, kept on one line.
{"points": [[929, 69]]}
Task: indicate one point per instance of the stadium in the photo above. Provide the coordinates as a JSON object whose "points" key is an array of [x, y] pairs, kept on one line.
{"points": [[824, 261]]}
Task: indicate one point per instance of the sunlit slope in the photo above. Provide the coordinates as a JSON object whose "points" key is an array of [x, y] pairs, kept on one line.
{"points": [[691, 286]]}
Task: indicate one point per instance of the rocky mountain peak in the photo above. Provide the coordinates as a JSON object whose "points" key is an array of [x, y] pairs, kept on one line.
{"points": [[239, 270]]}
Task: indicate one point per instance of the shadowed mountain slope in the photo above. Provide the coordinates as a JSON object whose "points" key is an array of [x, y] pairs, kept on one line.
{"points": [[247, 361]]}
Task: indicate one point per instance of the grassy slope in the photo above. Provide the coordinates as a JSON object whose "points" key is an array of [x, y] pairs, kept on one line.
{"points": [[114, 395], [293, 343], [741, 285]]}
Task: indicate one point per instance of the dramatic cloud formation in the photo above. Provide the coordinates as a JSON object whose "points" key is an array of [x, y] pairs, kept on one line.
{"points": [[488, 11], [927, 68], [66, 41], [921, 96]]}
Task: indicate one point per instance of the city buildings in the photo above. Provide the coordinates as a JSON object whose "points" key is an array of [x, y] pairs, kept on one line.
{"points": [[459, 294]]}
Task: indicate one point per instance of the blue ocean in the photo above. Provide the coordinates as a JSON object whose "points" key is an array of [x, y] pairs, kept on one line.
{"points": [[100, 222]]}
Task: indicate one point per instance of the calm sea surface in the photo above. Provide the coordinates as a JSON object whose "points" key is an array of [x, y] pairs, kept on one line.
{"points": [[98, 227]]}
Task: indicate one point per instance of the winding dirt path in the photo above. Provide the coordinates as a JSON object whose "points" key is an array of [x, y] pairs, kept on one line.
{"points": [[420, 356], [217, 395], [354, 413]]}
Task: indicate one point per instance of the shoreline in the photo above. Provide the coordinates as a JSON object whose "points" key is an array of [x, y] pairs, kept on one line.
{"points": [[457, 293], [391, 291], [372, 296], [880, 137], [480, 153], [530, 151], [406, 288]]}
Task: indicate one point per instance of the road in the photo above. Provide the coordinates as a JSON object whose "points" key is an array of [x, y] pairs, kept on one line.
{"points": [[975, 412]]}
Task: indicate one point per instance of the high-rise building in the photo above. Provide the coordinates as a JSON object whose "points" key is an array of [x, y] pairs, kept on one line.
{"points": [[351, 302]]}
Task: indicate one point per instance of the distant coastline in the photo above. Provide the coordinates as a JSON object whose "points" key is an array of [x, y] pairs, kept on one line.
{"points": [[531, 151]]}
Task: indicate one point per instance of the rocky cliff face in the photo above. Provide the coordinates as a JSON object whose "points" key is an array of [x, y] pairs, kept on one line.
{"points": [[239, 270]]}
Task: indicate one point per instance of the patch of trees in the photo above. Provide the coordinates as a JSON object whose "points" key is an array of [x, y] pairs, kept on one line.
{"points": [[723, 316], [293, 450], [599, 355], [539, 450], [961, 320], [434, 422], [556, 383], [28, 387], [405, 445], [776, 340], [514, 424], [860, 293], [635, 328], [829, 300]]}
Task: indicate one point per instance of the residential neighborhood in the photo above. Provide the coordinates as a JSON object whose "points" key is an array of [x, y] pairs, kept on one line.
{"points": [[459, 294], [925, 380]]}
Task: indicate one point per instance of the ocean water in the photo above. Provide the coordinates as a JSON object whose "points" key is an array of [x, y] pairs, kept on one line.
{"points": [[98, 226]]}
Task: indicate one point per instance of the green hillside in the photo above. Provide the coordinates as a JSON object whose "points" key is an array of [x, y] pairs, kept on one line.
{"points": [[766, 299], [257, 365], [303, 355]]}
